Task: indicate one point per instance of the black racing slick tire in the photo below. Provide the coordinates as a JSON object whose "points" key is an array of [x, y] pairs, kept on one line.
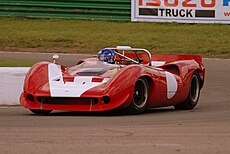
{"points": [[193, 96], [41, 112], [140, 97]]}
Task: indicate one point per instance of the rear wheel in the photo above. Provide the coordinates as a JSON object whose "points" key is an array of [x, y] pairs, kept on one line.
{"points": [[140, 96], [41, 112], [193, 95]]}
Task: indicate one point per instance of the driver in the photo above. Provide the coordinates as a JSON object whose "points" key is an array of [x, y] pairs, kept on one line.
{"points": [[107, 55]]}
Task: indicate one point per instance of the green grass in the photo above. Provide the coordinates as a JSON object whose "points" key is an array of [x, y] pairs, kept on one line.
{"points": [[85, 36], [15, 63]]}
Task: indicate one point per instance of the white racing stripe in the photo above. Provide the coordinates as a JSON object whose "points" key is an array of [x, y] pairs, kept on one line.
{"points": [[69, 89]]}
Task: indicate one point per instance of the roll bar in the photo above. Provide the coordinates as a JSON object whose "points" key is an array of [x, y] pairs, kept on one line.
{"points": [[128, 48]]}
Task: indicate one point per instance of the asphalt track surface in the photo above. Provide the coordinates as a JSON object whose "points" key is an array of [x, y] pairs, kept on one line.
{"points": [[205, 129]]}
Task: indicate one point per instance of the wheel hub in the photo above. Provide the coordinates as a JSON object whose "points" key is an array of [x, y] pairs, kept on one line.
{"points": [[140, 94]]}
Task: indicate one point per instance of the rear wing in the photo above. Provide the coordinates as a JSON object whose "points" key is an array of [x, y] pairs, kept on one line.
{"points": [[175, 57]]}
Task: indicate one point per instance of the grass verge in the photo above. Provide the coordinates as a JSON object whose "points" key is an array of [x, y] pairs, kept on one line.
{"points": [[15, 63], [85, 36]]}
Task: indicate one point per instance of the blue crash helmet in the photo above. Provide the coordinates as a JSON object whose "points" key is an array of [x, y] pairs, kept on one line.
{"points": [[107, 55]]}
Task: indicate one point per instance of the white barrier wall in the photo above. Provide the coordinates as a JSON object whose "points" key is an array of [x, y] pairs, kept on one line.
{"points": [[11, 84], [184, 11]]}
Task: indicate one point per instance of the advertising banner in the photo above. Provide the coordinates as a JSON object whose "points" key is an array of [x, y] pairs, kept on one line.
{"points": [[184, 11]]}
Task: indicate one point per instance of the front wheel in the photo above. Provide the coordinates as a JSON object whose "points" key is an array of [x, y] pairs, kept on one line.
{"points": [[140, 96], [193, 96], [41, 112]]}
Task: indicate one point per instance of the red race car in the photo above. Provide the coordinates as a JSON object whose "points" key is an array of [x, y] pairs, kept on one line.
{"points": [[121, 78]]}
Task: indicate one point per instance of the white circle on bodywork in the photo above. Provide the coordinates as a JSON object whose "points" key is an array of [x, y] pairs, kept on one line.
{"points": [[171, 85]]}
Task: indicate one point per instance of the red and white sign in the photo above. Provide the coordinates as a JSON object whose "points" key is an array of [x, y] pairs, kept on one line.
{"points": [[184, 11]]}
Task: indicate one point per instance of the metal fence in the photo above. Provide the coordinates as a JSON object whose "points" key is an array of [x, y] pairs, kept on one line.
{"points": [[69, 9]]}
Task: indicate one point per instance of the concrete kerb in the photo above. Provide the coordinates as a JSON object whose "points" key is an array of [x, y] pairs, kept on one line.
{"points": [[11, 84]]}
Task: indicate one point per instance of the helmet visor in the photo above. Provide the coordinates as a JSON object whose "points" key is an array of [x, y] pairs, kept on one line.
{"points": [[103, 57]]}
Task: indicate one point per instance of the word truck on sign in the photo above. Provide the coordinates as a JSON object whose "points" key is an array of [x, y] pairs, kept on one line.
{"points": [[184, 11]]}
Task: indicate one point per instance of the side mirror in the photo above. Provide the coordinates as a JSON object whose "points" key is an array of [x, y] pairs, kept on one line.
{"points": [[55, 58]]}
